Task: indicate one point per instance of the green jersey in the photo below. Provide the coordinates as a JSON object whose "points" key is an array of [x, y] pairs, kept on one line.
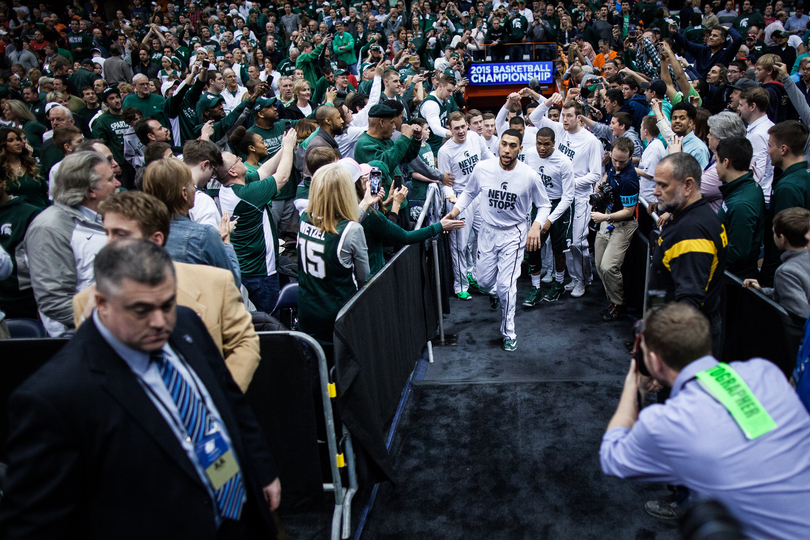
{"points": [[254, 239], [380, 231], [110, 128], [325, 284], [15, 217], [387, 151], [273, 136], [435, 140], [87, 114]]}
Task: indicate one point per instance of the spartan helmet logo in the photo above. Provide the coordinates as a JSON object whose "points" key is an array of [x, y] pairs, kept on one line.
{"points": [[540, 169], [504, 186], [5, 229], [466, 153]]}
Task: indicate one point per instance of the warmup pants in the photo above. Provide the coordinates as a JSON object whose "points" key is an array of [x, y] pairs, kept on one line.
{"points": [[472, 251], [500, 254], [578, 260], [609, 250], [459, 249]]}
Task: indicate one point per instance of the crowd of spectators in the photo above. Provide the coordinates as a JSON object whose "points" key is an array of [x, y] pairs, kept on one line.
{"points": [[263, 142]]}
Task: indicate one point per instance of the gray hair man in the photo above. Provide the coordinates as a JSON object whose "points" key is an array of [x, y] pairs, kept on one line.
{"points": [[62, 241]]}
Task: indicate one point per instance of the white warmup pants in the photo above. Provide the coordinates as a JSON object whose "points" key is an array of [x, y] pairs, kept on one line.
{"points": [[500, 254], [472, 251], [460, 242], [578, 259]]}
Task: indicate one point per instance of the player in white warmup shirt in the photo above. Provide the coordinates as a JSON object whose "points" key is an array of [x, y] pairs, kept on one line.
{"points": [[585, 152], [459, 156], [557, 174], [509, 188]]}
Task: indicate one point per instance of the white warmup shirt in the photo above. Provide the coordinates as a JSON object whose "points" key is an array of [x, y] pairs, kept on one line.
{"points": [[460, 159], [507, 196], [582, 148], [557, 175], [654, 153], [761, 162], [431, 112]]}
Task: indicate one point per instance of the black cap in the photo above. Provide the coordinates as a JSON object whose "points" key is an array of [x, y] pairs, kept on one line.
{"points": [[381, 110], [108, 92]]}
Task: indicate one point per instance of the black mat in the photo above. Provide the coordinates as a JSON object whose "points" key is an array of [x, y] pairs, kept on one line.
{"points": [[562, 340], [515, 460]]}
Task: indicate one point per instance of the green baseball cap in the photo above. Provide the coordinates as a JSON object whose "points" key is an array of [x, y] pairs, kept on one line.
{"points": [[264, 103]]}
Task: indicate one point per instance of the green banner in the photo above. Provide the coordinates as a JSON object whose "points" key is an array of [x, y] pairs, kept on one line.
{"points": [[726, 386]]}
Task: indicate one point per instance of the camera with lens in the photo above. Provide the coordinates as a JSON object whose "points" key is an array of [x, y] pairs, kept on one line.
{"points": [[601, 199], [341, 94]]}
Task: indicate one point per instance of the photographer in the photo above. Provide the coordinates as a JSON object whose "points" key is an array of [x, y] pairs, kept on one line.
{"points": [[734, 432], [614, 212]]}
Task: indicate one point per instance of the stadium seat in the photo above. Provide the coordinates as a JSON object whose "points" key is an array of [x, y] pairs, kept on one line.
{"points": [[287, 300], [26, 328]]}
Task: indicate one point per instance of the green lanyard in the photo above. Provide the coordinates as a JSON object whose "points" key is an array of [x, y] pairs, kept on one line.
{"points": [[726, 386]]}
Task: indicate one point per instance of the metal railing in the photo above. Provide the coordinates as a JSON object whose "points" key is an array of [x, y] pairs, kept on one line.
{"points": [[432, 209], [342, 514]]}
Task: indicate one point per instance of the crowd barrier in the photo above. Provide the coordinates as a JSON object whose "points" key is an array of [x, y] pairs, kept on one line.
{"points": [[753, 324]]}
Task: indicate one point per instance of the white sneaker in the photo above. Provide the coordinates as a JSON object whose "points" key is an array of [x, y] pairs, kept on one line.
{"points": [[548, 278], [570, 285], [579, 290]]}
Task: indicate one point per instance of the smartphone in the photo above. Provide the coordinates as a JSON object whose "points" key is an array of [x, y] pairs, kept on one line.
{"points": [[287, 126], [412, 59], [234, 217], [397, 182], [375, 180], [206, 63]]}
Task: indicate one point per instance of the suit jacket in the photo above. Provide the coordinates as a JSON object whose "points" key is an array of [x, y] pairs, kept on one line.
{"points": [[90, 455], [212, 294]]}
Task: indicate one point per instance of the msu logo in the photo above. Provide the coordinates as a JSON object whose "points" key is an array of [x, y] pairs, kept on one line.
{"points": [[504, 186], [5, 229], [466, 153]]}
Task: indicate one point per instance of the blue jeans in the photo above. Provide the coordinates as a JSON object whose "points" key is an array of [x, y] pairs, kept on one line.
{"points": [[262, 291]]}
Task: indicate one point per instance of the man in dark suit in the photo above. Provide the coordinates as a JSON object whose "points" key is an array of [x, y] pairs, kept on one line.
{"points": [[136, 428]]}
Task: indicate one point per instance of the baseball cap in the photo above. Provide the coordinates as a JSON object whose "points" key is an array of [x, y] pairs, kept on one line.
{"points": [[341, 72], [168, 84], [659, 87], [108, 92], [264, 103], [353, 167], [465, 13], [366, 66], [87, 62], [780, 34], [381, 110], [209, 102], [744, 83]]}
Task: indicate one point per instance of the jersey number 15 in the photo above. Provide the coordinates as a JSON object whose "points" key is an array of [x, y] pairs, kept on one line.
{"points": [[312, 257]]}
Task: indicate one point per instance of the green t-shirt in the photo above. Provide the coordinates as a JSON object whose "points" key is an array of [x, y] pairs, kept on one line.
{"points": [[110, 129], [15, 217], [32, 190], [151, 107], [254, 239], [80, 44]]}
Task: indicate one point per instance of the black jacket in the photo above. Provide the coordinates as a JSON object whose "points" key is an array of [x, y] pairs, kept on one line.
{"points": [[690, 258], [90, 456]]}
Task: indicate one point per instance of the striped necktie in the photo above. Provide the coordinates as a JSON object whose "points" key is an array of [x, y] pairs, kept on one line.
{"points": [[197, 421]]}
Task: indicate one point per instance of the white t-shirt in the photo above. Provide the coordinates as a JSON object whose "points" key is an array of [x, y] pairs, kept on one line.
{"points": [[761, 162], [654, 153], [232, 100], [506, 196], [582, 148], [557, 175], [460, 159], [205, 210]]}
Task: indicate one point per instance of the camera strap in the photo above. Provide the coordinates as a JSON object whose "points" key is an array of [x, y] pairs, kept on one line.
{"points": [[727, 387]]}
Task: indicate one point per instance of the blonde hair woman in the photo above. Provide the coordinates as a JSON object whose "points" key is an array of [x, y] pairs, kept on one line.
{"points": [[194, 243], [332, 255], [301, 96]]}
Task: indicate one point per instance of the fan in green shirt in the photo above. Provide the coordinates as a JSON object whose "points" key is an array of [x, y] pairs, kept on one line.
{"points": [[376, 143], [80, 42], [110, 126], [151, 105], [247, 197], [15, 216]]}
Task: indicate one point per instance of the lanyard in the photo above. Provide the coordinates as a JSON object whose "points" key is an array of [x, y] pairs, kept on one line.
{"points": [[727, 387]]}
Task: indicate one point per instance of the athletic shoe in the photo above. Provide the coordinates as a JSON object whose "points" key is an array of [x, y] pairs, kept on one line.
{"points": [[608, 309], [664, 508], [579, 290], [618, 313], [548, 278], [554, 293], [570, 285], [472, 282], [464, 295], [533, 298], [494, 302], [510, 345]]}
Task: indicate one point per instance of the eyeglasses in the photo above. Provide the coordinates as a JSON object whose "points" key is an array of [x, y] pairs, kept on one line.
{"points": [[238, 160]]}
